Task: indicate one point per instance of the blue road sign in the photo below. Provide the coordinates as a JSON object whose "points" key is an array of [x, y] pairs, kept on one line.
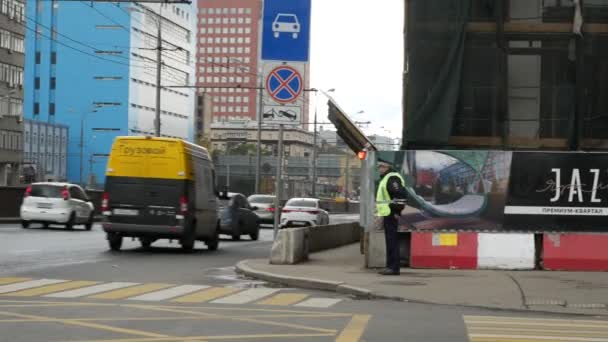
{"points": [[286, 30], [284, 84]]}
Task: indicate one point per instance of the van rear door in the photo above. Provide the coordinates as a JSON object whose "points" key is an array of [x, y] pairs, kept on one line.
{"points": [[144, 201]]}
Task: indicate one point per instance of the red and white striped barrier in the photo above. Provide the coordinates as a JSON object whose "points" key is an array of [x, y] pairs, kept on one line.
{"points": [[575, 252], [472, 251]]}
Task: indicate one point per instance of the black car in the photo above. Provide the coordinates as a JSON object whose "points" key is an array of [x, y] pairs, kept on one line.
{"points": [[238, 218]]}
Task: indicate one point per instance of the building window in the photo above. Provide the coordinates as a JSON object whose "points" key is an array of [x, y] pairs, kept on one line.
{"points": [[51, 108], [247, 20], [37, 57], [37, 83], [247, 30], [36, 108], [53, 82], [108, 27], [240, 30], [53, 57], [107, 78]]}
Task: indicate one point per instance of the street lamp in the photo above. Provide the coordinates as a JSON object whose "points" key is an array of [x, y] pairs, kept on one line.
{"points": [[314, 143]]}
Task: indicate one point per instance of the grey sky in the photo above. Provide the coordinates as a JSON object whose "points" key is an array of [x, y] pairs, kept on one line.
{"points": [[357, 48]]}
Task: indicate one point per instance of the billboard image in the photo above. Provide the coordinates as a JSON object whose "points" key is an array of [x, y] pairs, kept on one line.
{"points": [[502, 190]]}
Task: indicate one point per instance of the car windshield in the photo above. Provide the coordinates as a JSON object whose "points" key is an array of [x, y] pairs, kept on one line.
{"points": [[286, 19], [302, 203], [49, 191], [261, 199]]}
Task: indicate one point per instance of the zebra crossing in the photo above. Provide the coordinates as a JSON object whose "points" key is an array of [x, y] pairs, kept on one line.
{"points": [[158, 292], [531, 329]]}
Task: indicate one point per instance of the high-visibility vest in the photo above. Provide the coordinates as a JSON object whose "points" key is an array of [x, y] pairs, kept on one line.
{"points": [[383, 199]]}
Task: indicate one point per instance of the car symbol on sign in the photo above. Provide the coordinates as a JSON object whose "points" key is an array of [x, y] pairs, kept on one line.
{"points": [[286, 23]]}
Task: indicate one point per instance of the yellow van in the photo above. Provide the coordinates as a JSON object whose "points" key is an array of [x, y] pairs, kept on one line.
{"points": [[160, 188]]}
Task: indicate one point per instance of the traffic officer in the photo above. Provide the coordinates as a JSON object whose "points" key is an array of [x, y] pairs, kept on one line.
{"points": [[390, 201]]}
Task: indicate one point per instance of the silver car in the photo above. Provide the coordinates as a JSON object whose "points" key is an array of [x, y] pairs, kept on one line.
{"points": [[265, 207], [56, 203]]}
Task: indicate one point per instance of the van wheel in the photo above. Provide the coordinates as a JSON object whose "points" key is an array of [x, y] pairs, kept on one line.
{"points": [[89, 224], [115, 241], [189, 238], [214, 242], [256, 233], [25, 224], [70, 224]]}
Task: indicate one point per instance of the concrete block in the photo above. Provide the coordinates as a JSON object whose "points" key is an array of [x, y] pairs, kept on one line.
{"points": [[505, 251], [290, 247], [375, 256], [444, 250], [333, 236]]}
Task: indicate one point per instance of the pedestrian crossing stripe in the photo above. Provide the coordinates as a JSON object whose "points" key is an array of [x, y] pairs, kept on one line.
{"points": [[157, 292], [530, 329]]}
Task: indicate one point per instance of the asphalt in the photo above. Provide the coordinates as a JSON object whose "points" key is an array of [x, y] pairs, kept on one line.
{"points": [[80, 259]]}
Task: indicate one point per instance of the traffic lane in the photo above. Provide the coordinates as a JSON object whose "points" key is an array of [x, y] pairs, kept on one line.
{"points": [[360, 320], [89, 321], [44, 253]]}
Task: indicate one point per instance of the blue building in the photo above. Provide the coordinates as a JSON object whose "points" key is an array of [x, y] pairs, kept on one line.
{"points": [[92, 67]]}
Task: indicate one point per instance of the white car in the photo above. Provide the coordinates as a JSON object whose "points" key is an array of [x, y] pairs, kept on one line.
{"points": [[303, 212], [56, 203], [286, 23]]}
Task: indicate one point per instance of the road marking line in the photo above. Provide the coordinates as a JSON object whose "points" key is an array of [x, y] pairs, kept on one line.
{"points": [[86, 324], [354, 329], [131, 291], [566, 331], [170, 293], [246, 296], [52, 288], [284, 299], [29, 284], [91, 290], [531, 319], [10, 280], [533, 324], [206, 295], [217, 337], [228, 317], [319, 302], [494, 337]]}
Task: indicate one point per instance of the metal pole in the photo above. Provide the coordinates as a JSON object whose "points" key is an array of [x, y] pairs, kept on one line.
{"points": [[159, 47], [278, 184], [314, 154], [81, 146], [258, 156], [347, 178]]}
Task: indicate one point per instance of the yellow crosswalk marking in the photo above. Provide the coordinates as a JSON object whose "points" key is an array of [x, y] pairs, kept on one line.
{"points": [[283, 299], [39, 291], [131, 291], [206, 295], [531, 329], [10, 280]]}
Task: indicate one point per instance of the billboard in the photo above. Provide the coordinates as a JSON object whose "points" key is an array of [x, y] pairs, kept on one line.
{"points": [[502, 190]]}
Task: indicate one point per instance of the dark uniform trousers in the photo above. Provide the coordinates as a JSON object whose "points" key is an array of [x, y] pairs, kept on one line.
{"points": [[391, 225]]}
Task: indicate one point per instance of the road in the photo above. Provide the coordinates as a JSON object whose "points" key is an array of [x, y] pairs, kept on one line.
{"points": [[58, 285]]}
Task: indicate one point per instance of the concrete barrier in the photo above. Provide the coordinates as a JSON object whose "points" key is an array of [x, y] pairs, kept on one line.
{"points": [[293, 245], [327, 237], [575, 252], [505, 251], [290, 247]]}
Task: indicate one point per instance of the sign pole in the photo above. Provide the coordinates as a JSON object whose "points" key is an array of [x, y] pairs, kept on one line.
{"points": [[258, 156], [278, 184]]}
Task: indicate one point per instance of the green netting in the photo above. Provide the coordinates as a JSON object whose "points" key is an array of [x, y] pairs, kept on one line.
{"points": [[436, 36]]}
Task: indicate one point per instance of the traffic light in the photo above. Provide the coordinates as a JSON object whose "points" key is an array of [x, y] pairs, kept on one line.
{"points": [[361, 155]]}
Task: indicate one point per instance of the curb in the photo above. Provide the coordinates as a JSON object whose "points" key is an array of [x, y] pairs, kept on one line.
{"points": [[243, 268]]}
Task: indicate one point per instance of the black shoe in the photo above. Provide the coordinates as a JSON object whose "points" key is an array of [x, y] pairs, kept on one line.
{"points": [[388, 271]]}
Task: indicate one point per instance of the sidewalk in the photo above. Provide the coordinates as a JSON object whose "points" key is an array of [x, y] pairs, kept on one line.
{"points": [[342, 270]]}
